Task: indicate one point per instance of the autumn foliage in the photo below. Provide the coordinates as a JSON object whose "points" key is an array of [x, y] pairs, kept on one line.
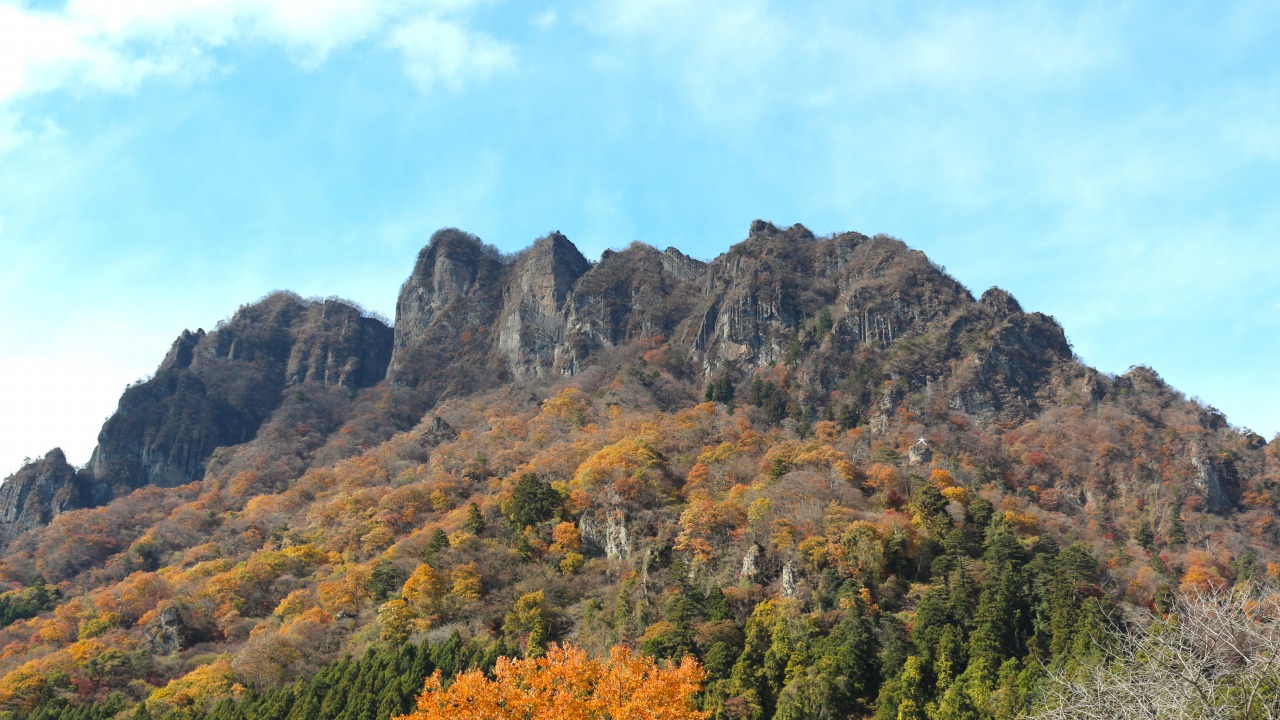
{"points": [[565, 684]]}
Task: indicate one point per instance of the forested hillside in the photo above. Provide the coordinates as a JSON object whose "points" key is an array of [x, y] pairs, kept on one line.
{"points": [[819, 466]]}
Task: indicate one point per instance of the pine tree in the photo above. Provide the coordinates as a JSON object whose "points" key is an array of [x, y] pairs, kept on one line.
{"points": [[533, 501], [1176, 534], [748, 680], [895, 646], [1144, 536], [720, 389], [475, 520], [853, 651], [956, 703], [998, 623], [716, 606], [904, 697]]}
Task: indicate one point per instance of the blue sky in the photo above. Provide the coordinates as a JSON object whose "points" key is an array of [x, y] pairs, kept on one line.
{"points": [[1116, 165]]}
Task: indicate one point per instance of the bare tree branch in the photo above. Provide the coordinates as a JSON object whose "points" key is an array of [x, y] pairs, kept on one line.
{"points": [[1214, 657]]}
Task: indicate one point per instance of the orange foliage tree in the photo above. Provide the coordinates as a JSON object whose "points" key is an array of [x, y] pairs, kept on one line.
{"points": [[567, 685]]}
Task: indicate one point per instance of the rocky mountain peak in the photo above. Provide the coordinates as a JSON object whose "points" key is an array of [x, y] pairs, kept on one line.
{"points": [[447, 308], [550, 268], [532, 321], [215, 389], [38, 492], [183, 350], [452, 263], [682, 267], [1000, 302]]}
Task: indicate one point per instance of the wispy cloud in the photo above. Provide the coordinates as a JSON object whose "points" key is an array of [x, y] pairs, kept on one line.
{"points": [[546, 19], [440, 52], [114, 45], [756, 57]]}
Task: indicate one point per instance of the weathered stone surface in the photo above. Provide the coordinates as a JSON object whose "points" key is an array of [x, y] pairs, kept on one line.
{"points": [[39, 492], [215, 389], [532, 324], [167, 633], [445, 317]]}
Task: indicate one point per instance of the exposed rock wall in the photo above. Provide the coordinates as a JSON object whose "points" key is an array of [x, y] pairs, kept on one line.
{"points": [[469, 319], [40, 491]]}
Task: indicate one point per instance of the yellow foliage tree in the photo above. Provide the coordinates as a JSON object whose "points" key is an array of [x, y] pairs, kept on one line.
{"points": [[198, 688], [565, 538], [467, 583], [424, 588], [567, 685]]}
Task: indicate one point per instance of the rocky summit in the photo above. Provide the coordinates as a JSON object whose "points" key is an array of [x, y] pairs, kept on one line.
{"points": [[818, 465]]}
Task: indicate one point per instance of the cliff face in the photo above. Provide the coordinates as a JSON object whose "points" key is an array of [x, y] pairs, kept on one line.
{"points": [[532, 324], [41, 490], [469, 319], [445, 316], [215, 389]]}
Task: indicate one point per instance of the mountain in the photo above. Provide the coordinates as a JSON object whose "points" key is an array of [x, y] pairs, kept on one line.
{"points": [[545, 447]]}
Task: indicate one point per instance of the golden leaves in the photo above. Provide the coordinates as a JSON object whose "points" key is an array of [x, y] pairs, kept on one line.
{"points": [[567, 685]]}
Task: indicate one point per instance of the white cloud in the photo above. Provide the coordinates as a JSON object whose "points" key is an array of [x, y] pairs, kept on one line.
{"points": [[546, 19], [963, 48], [756, 54], [113, 45], [440, 52]]}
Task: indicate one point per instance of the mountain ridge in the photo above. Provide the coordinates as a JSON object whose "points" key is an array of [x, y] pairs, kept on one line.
{"points": [[470, 318], [652, 450]]}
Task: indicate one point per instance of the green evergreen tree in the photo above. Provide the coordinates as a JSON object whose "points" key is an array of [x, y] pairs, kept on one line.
{"points": [[1144, 536], [814, 694], [956, 703], [950, 657], [385, 580], [439, 542], [720, 389], [895, 646], [1175, 534], [475, 520], [852, 650], [749, 680], [533, 501], [716, 606], [932, 617], [848, 417], [904, 697], [999, 622], [979, 513], [770, 398]]}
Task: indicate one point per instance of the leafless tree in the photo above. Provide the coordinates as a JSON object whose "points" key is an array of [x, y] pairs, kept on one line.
{"points": [[1216, 656]]}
